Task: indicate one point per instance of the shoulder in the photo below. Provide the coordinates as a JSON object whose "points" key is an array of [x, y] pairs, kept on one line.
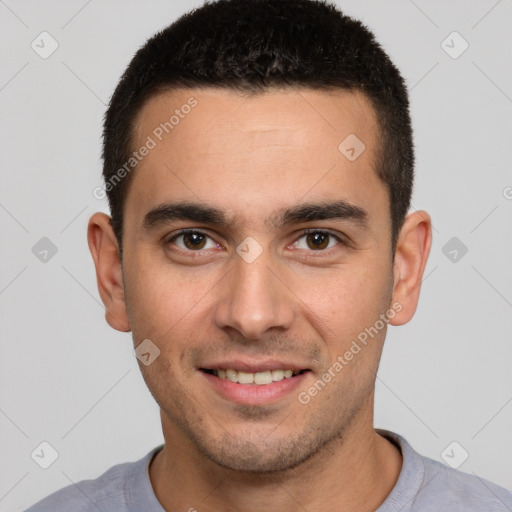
{"points": [[461, 491], [430, 486], [112, 490]]}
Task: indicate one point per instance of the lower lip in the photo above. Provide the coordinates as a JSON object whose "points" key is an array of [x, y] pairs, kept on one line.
{"points": [[254, 394]]}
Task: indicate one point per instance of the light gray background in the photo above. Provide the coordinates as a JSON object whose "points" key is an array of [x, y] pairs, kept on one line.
{"points": [[67, 378]]}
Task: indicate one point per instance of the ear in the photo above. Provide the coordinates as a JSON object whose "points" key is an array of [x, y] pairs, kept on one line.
{"points": [[105, 253], [412, 250]]}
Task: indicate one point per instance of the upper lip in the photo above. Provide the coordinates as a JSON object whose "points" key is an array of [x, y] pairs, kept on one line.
{"points": [[254, 366]]}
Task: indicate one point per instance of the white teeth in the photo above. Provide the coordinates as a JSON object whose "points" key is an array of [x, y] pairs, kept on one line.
{"points": [[277, 375], [245, 378], [262, 378], [232, 375], [259, 378]]}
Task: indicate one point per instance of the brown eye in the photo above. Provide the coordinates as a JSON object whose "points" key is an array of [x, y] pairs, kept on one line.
{"points": [[317, 240], [194, 240]]}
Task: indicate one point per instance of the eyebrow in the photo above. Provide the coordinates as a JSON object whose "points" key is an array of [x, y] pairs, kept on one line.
{"points": [[205, 214]]}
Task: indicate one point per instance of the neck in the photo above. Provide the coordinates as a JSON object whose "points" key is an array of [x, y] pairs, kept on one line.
{"points": [[356, 472]]}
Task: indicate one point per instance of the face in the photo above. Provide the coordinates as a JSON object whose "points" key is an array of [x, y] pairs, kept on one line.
{"points": [[285, 262]]}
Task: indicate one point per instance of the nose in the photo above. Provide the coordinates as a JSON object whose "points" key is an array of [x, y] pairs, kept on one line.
{"points": [[254, 300]]}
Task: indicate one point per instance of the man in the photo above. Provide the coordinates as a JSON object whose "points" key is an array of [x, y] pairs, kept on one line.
{"points": [[258, 160]]}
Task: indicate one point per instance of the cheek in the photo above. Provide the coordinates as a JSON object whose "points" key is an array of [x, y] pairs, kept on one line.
{"points": [[162, 299], [345, 302]]}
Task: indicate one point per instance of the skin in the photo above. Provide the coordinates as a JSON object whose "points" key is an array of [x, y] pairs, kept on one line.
{"points": [[252, 156]]}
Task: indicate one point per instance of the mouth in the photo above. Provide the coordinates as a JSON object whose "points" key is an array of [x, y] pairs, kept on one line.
{"points": [[261, 378], [254, 384]]}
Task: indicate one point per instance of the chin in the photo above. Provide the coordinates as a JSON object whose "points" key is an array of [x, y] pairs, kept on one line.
{"points": [[264, 454]]}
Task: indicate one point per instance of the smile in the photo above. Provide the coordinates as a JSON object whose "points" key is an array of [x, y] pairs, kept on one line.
{"points": [[259, 378], [261, 387]]}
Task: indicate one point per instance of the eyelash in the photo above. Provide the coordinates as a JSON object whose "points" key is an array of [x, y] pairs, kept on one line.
{"points": [[305, 232]]}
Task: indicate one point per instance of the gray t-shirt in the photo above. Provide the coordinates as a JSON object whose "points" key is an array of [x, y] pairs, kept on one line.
{"points": [[424, 485]]}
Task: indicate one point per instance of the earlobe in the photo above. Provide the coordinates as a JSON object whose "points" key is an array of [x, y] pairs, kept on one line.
{"points": [[105, 253], [411, 255]]}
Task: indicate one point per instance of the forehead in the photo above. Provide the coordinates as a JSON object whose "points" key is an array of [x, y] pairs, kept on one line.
{"points": [[280, 119], [256, 153]]}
